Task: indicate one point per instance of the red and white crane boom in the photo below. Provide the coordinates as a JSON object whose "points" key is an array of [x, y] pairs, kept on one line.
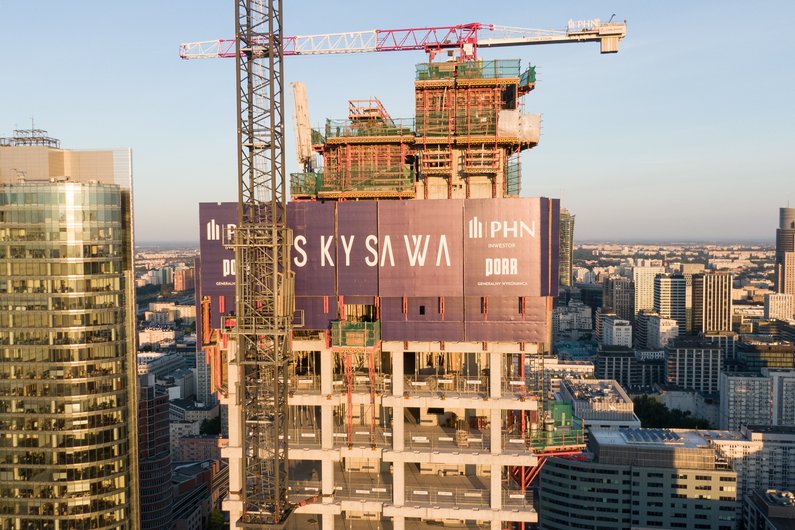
{"points": [[465, 37]]}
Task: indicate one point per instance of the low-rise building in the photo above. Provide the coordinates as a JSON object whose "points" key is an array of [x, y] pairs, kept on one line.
{"points": [[745, 399], [640, 478], [779, 306], [600, 403], [634, 370], [196, 447], [694, 364], [616, 332], [769, 509]]}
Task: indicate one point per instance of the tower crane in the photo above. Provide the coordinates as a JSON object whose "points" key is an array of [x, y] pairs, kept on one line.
{"points": [[465, 37], [264, 288]]}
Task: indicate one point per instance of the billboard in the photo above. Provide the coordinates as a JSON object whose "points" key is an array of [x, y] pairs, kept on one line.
{"points": [[474, 247], [216, 220]]}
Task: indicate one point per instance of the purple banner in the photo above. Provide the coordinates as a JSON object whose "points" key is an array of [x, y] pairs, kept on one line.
{"points": [[357, 237], [420, 248], [216, 220], [314, 254], [502, 247]]}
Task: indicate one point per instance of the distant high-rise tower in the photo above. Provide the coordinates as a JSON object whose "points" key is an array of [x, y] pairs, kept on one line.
{"points": [[712, 302], [643, 285], [669, 298], [69, 450], [785, 252], [618, 296], [566, 246], [688, 270], [155, 455]]}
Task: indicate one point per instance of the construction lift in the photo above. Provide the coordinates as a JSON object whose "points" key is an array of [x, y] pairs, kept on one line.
{"points": [[265, 304]]}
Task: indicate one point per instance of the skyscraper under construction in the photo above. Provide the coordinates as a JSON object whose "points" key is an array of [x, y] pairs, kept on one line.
{"points": [[68, 442], [423, 286]]}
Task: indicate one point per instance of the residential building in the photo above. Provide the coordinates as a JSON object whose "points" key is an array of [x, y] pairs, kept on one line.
{"points": [[785, 252], [712, 302], [769, 509], [154, 455], [602, 314], [779, 306], [640, 478], [634, 370], [617, 332], [660, 332], [573, 318], [640, 329], [183, 279], [194, 448], [158, 363], [763, 457], [178, 429], [687, 270], [693, 364], [757, 398], [156, 336], [189, 410], [68, 411], [643, 286], [745, 400], [618, 296], [566, 247], [670, 298], [203, 383]]}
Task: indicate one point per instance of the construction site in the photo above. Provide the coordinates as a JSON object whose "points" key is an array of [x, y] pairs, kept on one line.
{"points": [[384, 369]]}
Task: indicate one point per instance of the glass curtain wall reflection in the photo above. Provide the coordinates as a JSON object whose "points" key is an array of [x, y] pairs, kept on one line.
{"points": [[67, 402]]}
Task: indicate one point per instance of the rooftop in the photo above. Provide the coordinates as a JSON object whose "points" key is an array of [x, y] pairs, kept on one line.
{"points": [[661, 438]]}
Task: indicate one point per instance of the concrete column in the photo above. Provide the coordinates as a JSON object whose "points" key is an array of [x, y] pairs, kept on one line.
{"points": [[495, 374], [496, 487], [398, 429], [496, 431], [397, 373], [326, 375], [327, 480], [327, 426], [399, 523], [327, 521], [399, 483]]}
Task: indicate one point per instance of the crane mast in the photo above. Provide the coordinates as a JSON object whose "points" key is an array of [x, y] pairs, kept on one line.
{"points": [[265, 301]]}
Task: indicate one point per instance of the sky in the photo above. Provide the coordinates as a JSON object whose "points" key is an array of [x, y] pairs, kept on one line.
{"points": [[687, 133]]}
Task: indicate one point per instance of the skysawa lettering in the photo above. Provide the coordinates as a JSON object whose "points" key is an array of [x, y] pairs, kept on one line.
{"points": [[418, 247]]}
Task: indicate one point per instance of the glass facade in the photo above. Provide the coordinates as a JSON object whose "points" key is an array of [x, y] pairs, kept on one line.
{"points": [[67, 367]]}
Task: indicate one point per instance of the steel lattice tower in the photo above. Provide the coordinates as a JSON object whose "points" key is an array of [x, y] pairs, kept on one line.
{"points": [[265, 301]]}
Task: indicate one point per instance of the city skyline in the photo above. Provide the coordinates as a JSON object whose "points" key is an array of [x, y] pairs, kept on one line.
{"points": [[661, 116]]}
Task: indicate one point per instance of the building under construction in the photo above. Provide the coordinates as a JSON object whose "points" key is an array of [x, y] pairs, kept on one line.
{"points": [[424, 286]]}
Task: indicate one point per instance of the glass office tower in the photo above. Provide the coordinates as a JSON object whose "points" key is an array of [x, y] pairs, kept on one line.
{"points": [[68, 451]]}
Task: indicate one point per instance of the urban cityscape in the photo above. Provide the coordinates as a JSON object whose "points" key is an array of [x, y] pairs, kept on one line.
{"points": [[373, 322]]}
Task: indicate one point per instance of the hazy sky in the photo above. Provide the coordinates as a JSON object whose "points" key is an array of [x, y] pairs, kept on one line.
{"points": [[687, 133]]}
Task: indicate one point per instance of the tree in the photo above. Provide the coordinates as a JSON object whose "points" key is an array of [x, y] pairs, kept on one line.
{"points": [[653, 414], [216, 520], [212, 426]]}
